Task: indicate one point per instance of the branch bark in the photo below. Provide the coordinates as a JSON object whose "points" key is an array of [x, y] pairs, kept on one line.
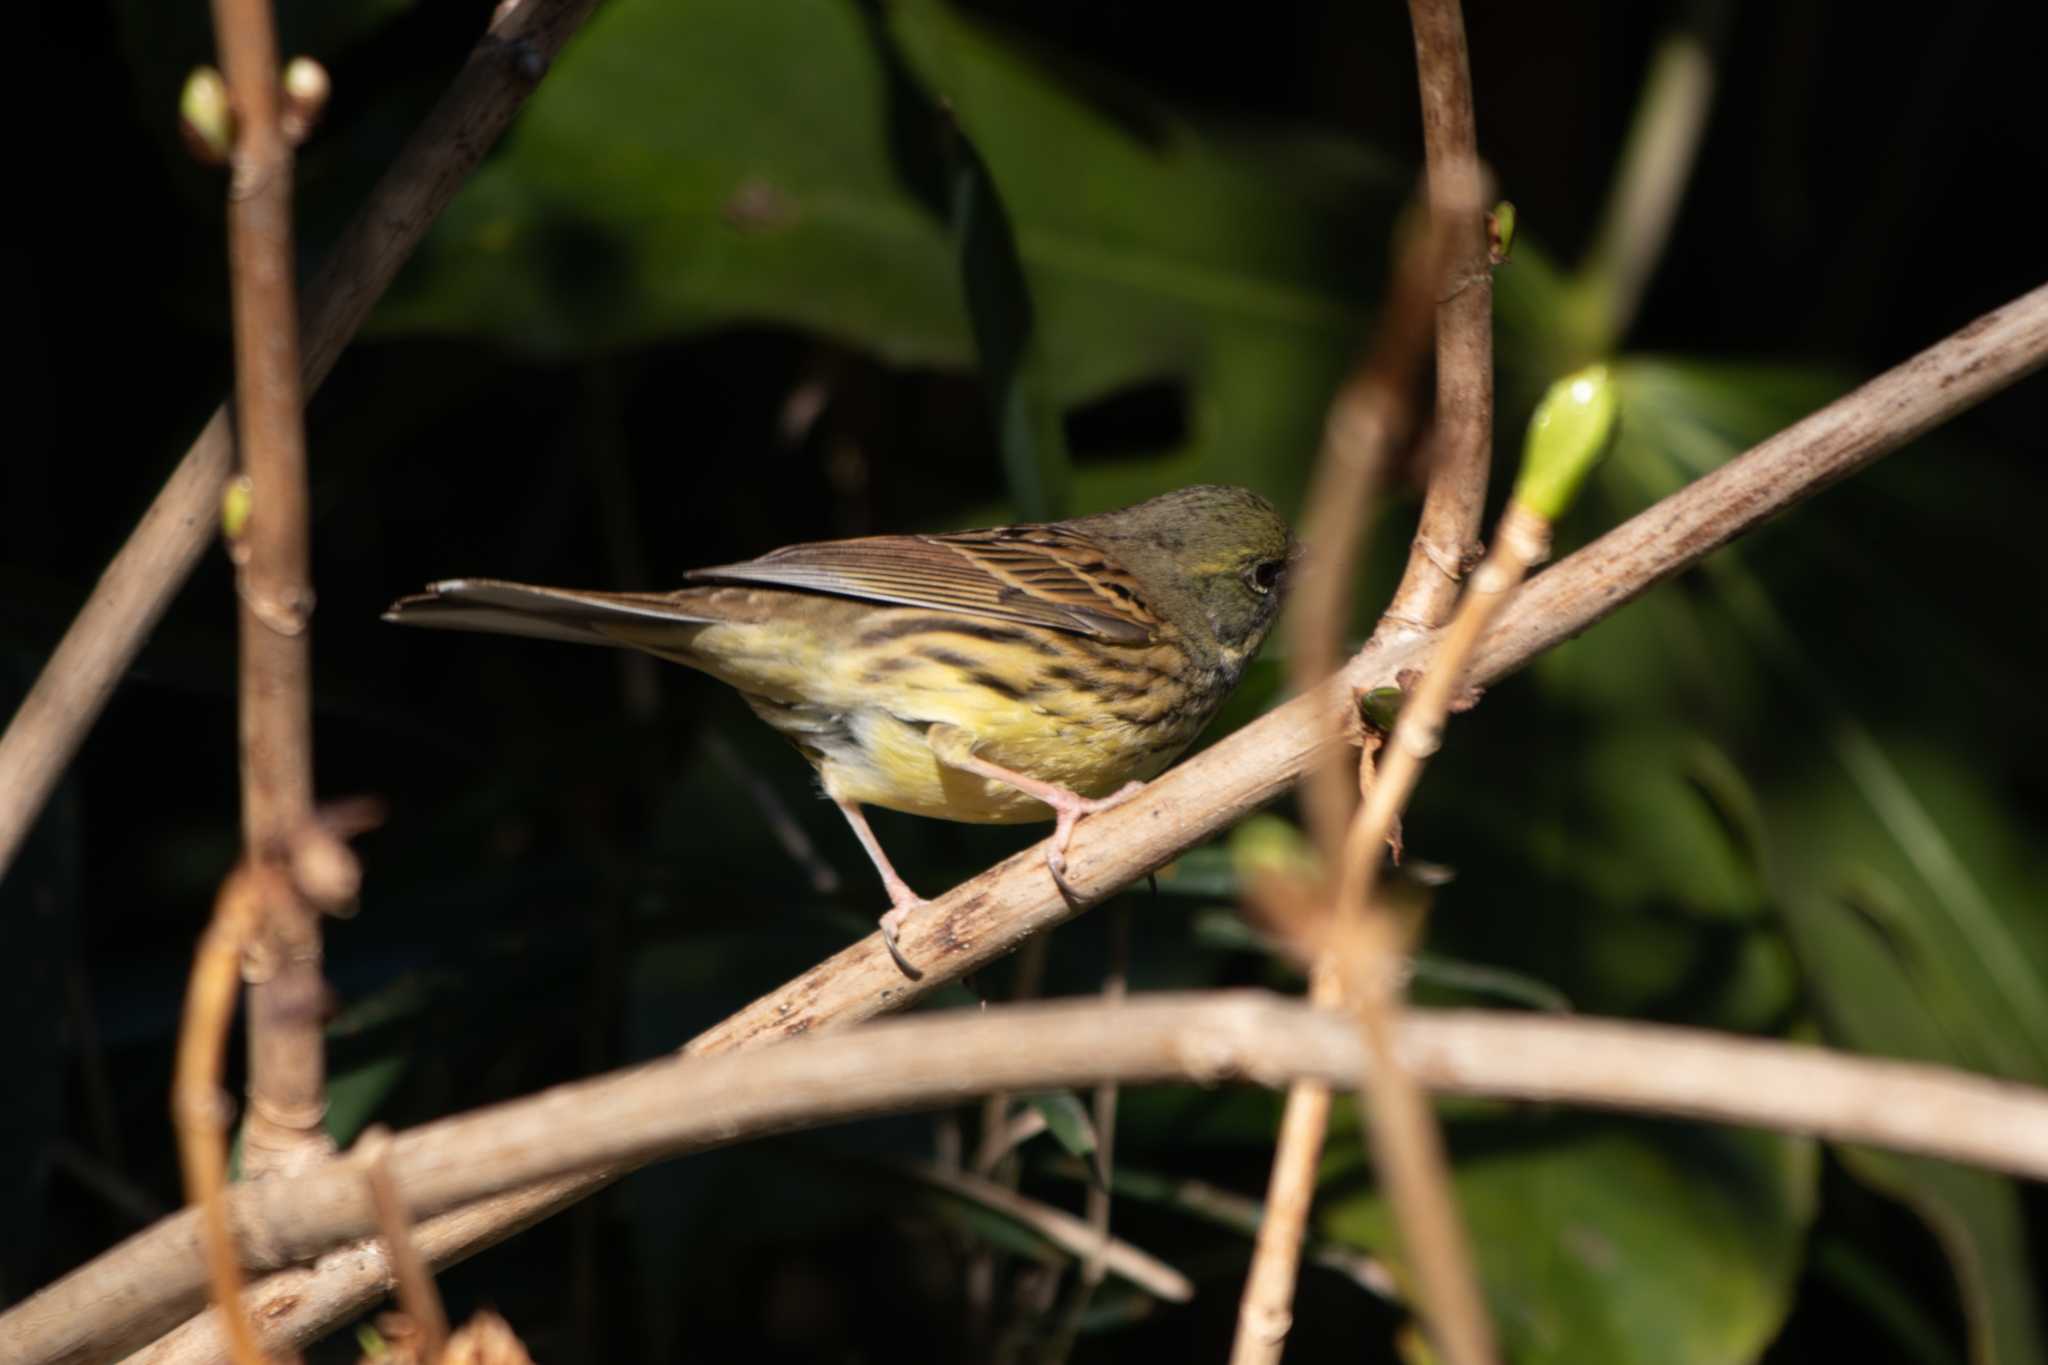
{"points": [[1447, 535], [115, 1303], [273, 554], [684, 1105], [159, 555]]}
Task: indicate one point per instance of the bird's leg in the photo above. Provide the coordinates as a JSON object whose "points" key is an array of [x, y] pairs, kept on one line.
{"points": [[955, 749], [902, 900]]}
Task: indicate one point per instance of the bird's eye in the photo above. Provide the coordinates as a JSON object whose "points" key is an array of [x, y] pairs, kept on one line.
{"points": [[1261, 578]]}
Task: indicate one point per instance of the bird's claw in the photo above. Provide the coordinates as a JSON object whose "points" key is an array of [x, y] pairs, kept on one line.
{"points": [[1070, 814], [1057, 865], [891, 924]]}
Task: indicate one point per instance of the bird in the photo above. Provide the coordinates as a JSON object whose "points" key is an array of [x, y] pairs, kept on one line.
{"points": [[1012, 674]]}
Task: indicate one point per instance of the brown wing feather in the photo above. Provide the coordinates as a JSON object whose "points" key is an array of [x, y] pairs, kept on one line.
{"points": [[1034, 575]]}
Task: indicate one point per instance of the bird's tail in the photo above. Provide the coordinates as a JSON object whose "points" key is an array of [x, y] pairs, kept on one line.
{"points": [[587, 618]]}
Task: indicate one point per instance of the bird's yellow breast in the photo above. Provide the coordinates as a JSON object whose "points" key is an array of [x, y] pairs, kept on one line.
{"points": [[857, 696]]}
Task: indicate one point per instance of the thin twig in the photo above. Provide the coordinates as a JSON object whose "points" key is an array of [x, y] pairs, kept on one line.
{"points": [[1070, 1234], [1402, 1133], [287, 1058], [999, 1136], [1656, 163], [1461, 448], [417, 1297], [198, 1100], [1459, 275], [1369, 419], [1115, 985], [990, 915], [1265, 1314], [159, 555], [929, 1061]]}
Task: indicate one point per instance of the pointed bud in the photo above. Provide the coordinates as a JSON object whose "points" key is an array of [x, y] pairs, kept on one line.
{"points": [[1572, 428], [205, 118], [1381, 707], [1500, 232]]}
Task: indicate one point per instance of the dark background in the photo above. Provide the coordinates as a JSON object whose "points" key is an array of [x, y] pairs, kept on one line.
{"points": [[573, 876]]}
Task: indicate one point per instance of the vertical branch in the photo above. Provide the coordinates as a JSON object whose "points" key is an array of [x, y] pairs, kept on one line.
{"points": [[1266, 1313], [417, 1297], [287, 1077], [1406, 1144], [1570, 429], [1457, 268], [1447, 537], [1368, 420]]}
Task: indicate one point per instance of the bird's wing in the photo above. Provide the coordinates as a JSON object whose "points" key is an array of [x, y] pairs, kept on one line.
{"points": [[1048, 576], [490, 604]]}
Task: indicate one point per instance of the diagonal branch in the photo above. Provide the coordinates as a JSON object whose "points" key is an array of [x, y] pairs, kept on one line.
{"points": [[159, 555], [989, 916], [649, 1113]]}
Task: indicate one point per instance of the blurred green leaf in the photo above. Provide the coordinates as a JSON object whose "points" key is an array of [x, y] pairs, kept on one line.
{"points": [[761, 174], [1978, 1219], [1479, 981], [1902, 902], [1607, 1240], [354, 1096], [1028, 429], [1067, 1119]]}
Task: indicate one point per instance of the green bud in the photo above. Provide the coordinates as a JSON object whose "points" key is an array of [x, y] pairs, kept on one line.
{"points": [[234, 508], [1572, 428], [1381, 707], [1500, 232], [1266, 845], [204, 116]]}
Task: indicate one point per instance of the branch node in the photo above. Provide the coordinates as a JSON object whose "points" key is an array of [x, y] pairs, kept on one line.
{"points": [[287, 616], [324, 869], [528, 61], [1450, 563]]}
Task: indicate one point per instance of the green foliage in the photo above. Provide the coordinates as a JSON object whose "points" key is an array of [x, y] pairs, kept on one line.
{"points": [[1607, 1240], [803, 174]]}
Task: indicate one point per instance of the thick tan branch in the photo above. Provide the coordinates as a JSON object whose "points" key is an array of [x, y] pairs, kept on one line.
{"points": [[662, 1110], [138, 586]]}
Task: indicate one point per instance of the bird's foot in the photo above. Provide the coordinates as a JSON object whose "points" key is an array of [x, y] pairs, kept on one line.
{"points": [[1070, 808], [902, 900]]}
